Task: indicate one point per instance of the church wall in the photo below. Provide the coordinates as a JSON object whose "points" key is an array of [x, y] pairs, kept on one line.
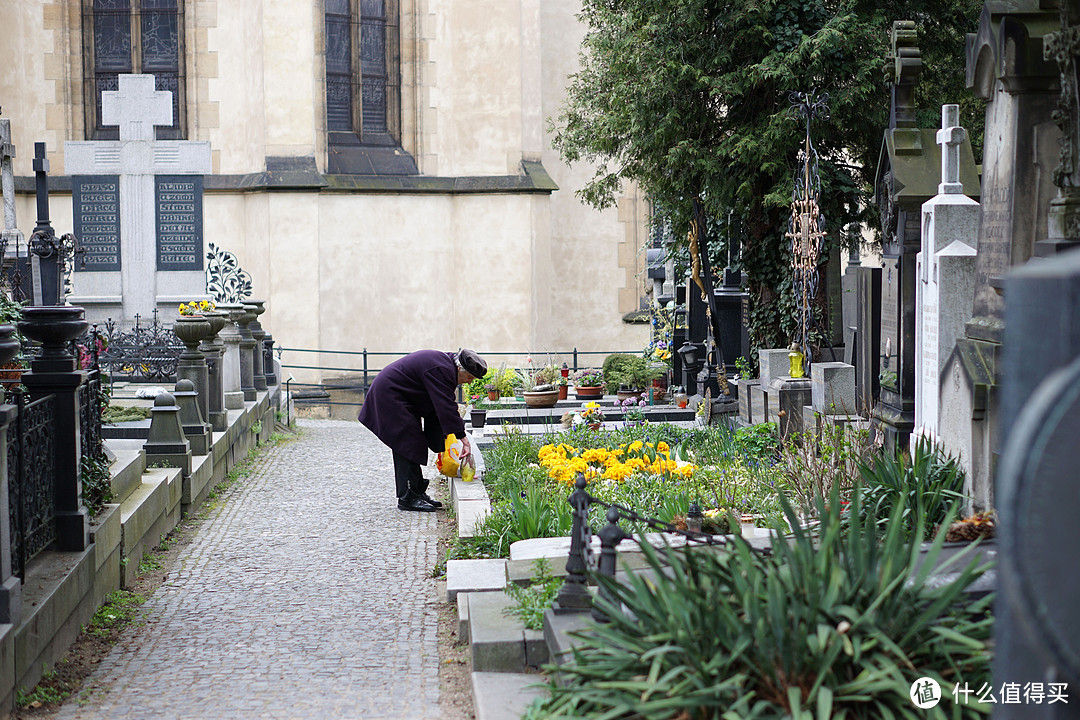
{"points": [[25, 93], [608, 241], [240, 138]]}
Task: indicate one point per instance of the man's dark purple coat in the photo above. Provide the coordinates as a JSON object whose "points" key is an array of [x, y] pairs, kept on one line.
{"points": [[412, 405]]}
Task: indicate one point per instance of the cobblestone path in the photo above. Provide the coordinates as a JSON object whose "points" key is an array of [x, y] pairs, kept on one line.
{"points": [[307, 595]]}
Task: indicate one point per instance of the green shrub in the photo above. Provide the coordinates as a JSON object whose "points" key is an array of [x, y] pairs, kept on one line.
{"points": [[625, 369], [837, 625]]}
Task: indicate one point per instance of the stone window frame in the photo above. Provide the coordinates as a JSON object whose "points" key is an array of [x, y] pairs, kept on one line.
{"points": [[352, 150], [91, 71]]}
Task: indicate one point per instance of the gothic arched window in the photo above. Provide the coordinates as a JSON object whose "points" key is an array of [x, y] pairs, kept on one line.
{"points": [[363, 88], [133, 36]]}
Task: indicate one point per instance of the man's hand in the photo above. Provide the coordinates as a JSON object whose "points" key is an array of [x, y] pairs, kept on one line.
{"points": [[466, 448]]}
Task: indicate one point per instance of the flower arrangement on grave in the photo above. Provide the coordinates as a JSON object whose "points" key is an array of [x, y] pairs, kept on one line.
{"points": [[632, 412], [196, 307], [589, 414], [662, 325], [588, 378], [563, 462]]}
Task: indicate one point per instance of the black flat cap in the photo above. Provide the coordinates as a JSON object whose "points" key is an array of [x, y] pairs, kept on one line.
{"points": [[472, 363]]}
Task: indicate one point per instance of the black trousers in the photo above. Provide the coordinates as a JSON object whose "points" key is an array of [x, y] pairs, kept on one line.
{"points": [[409, 478]]}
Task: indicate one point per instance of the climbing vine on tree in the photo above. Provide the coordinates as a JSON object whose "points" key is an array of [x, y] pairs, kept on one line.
{"points": [[690, 98]]}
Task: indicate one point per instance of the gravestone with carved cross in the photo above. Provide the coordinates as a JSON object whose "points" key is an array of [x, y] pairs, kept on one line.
{"points": [[138, 208], [945, 268]]}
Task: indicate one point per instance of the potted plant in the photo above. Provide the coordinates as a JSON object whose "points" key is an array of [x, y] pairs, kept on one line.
{"points": [[588, 384], [563, 388], [492, 391], [537, 390], [630, 374]]}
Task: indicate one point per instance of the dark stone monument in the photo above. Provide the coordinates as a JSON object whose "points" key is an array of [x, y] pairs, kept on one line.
{"points": [[867, 338], [95, 201], [908, 175], [1037, 633]]}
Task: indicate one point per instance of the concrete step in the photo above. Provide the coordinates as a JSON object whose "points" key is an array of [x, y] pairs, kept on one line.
{"points": [[504, 696], [499, 642]]}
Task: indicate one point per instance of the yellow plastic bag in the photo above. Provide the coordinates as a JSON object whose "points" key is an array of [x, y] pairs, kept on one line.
{"points": [[449, 460]]}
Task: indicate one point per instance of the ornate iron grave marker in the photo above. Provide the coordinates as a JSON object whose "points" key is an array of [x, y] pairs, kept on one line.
{"points": [[806, 229]]}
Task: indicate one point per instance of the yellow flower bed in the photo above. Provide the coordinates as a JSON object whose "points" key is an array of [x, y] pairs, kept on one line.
{"points": [[563, 462]]}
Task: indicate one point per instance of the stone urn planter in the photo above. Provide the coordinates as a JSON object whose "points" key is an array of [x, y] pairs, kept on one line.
{"points": [[191, 329], [589, 392], [54, 327], [541, 399]]}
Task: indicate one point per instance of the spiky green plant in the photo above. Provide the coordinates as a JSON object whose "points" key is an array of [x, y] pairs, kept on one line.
{"points": [[834, 625], [927, 484]]}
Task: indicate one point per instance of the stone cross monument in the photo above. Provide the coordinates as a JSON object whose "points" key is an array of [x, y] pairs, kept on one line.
{"points": [[138, 208], [945, 269], [11, 235]]}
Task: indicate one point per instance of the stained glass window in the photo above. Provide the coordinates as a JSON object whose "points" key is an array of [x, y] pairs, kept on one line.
{"points": [[134, 36], [362, 85]]}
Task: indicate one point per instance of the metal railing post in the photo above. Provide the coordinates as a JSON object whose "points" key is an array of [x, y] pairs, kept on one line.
{"points": [[365, 368], [574, 595], [610, 536], [576, 366]]}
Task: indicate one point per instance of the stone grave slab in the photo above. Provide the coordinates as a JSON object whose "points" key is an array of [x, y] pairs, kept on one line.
{"points": [[474, 576], [774, 363], [496, 639], [504, 696]]}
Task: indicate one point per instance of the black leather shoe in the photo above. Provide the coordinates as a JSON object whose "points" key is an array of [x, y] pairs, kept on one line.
{"points": [[429, 501], [415, 504]]}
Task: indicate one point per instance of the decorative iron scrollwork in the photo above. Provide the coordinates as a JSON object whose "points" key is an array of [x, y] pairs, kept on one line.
{"points": [[226, 281]]}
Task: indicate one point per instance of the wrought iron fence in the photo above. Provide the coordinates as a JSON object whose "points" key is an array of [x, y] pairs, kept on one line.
{"points": [[30, 478], [574, 594], [90, 406], [147, 353]]}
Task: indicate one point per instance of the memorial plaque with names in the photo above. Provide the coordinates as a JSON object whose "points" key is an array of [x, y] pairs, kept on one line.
{"points": [[95, 201], [179, 222]]}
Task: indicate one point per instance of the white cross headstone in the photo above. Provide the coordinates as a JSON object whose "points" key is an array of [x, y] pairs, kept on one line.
{"points": [[136, 158], [950, 137], [945, 274]]}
